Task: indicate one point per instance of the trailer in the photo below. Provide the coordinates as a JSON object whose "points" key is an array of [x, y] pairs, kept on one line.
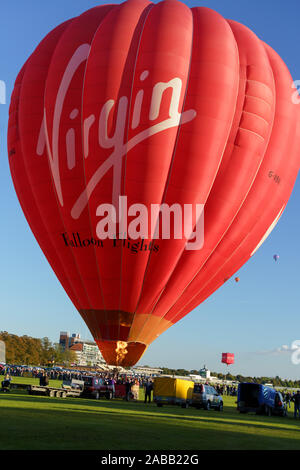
{"points": [[172, 391], [50, 391], [73, 388]]}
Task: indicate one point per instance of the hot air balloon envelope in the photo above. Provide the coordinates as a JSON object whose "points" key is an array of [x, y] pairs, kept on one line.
{"points": [[137, 113], [227, 358]]}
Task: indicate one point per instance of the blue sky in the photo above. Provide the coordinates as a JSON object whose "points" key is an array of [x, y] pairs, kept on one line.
{"points": [[253, 318]]}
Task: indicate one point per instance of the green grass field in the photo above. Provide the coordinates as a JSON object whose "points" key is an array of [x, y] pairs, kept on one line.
{"points": [[43, 423]]}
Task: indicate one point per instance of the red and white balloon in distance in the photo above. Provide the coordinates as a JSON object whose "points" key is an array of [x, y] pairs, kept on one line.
{"points": [[161, 104], [227, 358]]}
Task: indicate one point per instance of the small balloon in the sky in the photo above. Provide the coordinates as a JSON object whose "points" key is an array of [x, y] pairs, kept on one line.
{"points": [[237, 279], [276, 257]]}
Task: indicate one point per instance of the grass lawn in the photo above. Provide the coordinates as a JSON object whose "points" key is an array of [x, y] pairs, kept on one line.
{"points": [[32, 381], [43, 423]]}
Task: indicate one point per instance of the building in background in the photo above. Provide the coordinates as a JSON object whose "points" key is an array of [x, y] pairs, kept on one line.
{"points": [[204, 373], [64, 339], [87, 352], [146, 371], [74, 339]]}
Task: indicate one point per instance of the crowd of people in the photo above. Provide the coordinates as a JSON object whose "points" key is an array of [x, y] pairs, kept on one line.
{"points": [[114, 377], [226, 390], [62, 374], [294, 398]]}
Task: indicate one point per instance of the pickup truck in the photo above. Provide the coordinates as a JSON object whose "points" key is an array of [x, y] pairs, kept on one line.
{"points": [[97, 387]]}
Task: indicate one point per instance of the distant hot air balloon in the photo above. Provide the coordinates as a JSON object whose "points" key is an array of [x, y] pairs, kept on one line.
{"points": [[135, 105], [276, 257], [227, 358], [236, 279]]}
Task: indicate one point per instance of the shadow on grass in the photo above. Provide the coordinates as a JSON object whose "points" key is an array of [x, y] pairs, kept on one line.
{"points": [[56, 430], [120, 409]]}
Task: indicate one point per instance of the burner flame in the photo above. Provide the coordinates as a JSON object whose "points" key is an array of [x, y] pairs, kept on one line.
{"points": [[121, 351]]}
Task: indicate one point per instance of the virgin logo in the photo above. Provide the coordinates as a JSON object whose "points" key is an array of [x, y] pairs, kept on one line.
{"points": [[116, 142]]}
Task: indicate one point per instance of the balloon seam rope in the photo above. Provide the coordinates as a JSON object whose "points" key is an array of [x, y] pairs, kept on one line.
{"points": [[240, 208], [170, 170], [162, 291], [232, 221], [84, 174], [46, 134], [48, 159], [56, 197], [25, 210], [146, 11], [39, 211], [239, 246]]}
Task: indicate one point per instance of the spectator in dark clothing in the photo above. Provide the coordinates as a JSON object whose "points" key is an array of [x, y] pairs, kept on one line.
{"points": [[296, 400], [128, 390], [112, 382], [148, 390], [287, 399], [44, 381]]}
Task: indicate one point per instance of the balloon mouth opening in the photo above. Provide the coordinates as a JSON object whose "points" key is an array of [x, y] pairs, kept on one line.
{"points": [[121, 353]]}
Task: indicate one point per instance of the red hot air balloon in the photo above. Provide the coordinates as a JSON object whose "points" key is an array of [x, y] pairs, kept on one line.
{"points": [[227, 358], [159, 104]]}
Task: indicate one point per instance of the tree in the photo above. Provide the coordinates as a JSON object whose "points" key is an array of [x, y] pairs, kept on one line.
{"points": [[69, 357]]}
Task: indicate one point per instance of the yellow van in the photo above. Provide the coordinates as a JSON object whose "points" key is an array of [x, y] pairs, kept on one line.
{"points": [[172, 391]]}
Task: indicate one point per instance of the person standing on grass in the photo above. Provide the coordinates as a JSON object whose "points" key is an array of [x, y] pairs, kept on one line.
{"points": [[148, 390], [44, 381], [128, 390], [111, 383], [296, 400], [288, 399]]}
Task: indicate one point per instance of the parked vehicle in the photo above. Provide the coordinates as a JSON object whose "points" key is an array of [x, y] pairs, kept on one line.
{"points": [[205, 396], [259, 399], [172, 391], [96, 387], [67, 390]]}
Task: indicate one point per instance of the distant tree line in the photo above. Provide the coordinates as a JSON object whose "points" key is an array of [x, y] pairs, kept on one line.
{"points": [[24, 350], [276, 381]]}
